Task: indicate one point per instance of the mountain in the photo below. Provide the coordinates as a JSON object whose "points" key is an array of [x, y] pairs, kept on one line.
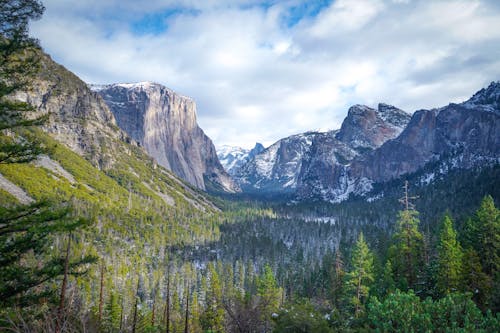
{"points": [[276, 169], [164, 123], [314, 161], [375, 146], [232, 158], [90, 155], [464, 135]]}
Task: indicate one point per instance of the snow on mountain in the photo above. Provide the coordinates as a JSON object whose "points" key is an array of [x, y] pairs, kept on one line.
{"points": [[314, 163], [232, 157]]}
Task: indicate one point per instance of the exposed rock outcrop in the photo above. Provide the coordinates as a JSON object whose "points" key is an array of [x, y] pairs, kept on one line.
{"points": [[313, 163], [164, 123]]}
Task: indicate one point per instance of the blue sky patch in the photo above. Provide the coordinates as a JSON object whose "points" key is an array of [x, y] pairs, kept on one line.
{"points": [[305, 9], [157, 23]]}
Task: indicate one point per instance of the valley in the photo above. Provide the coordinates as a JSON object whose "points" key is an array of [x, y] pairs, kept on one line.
{"points": [[118, 213]]}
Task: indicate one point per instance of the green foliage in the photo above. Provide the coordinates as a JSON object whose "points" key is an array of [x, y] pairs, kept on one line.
{"points": [[481, 236], [269, 294], [406, 253], [301, 317], [25, 233], [474, 279], [213, 317], [112, 313], [360, 277], [405, 312], [18, 64], [487, 220], [398, 312], [449, 259], [386, 284]]}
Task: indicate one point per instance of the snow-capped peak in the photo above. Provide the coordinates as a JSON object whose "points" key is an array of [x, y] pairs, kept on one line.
{"points": [[232, 157], [486, 98]]}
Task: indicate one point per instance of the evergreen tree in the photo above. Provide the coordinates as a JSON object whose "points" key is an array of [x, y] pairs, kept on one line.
{"points": [[386, 283], [449, 260], [18, 64], [24, 230], [482, 234], [213, 317], [406, 253], [360, 276], [337, 278], [27, 231], [488, 244], [269, 294], [112, 313], [474, 279]]}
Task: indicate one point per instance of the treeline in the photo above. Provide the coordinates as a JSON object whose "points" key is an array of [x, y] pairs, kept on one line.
{"points": [[415, 284]]}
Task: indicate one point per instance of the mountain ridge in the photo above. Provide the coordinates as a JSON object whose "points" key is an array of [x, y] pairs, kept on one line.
{"points": [[378, 145]]}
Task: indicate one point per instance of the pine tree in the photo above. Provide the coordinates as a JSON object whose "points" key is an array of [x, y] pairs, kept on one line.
{"points": [[269, 294], [18, 64], [213, 316], [25, 229], [488, 222], [449, 260], [360, 276], [386, 282], [112, 313], [406, 253], [474, 279], [337, 281]]}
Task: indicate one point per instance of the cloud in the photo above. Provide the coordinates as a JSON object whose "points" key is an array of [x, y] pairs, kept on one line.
{"points": [[263, 70]]}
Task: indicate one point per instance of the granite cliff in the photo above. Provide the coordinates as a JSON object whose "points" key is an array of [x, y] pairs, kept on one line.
{"points": [[164, 123]]}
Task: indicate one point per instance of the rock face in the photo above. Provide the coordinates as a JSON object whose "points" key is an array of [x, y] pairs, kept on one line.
{"points": [[377, 145], [78, 117], [277, 168], [164, 123], [367, 128], [232, 158], [467, 133], [314, 162]]}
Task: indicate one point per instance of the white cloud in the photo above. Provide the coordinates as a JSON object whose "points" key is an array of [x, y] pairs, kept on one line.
{"points": [[255, 78]]}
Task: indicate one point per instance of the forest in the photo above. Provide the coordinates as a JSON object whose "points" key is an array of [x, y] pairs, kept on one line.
{"points": [[115, 259]]}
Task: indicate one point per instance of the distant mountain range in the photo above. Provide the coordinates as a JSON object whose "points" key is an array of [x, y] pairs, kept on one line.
{"points": [[375, 146], [232, 158]]}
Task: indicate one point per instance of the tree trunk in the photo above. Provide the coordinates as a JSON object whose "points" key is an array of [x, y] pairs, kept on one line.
{"points": [[167, 302], [60, 310], [186, 321], [134, 323], [101, 295]]}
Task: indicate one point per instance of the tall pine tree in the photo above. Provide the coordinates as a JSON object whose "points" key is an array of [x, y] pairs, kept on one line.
{"points": [[449, 259], [360, 277], [406, 252]]}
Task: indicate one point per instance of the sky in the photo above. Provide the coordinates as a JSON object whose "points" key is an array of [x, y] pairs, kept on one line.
{"points": [[263, 70]]}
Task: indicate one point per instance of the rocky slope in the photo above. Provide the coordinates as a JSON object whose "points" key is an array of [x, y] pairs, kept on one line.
{"points": [[313, 161], [466, 134], [378, 145], [232, 158], [80, 120], [164, 123], [276, 169]]}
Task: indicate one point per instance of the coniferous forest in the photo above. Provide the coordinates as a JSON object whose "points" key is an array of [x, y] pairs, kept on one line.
{"points": [[103, 252]]}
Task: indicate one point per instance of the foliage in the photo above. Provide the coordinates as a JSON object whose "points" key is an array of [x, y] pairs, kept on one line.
{"points": [[360, 276], [301, 317], [449, 259], [406, 253], [406, 312]]}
